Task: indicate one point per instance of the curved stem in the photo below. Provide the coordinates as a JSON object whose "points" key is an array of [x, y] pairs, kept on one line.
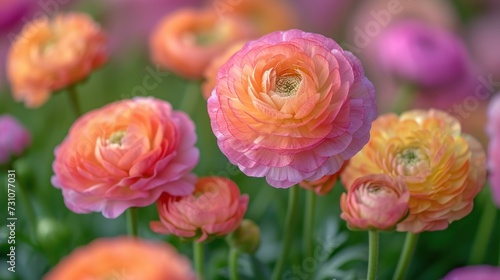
{"points": [[291, 217], [73, 99], [405, 257], [132, 222], [309, 223], [198, 259], [372, 254], [233, 264], [484, 230]]}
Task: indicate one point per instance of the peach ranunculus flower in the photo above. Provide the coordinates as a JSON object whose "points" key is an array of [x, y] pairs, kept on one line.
{"points": [[126, 154], [52, 54], [188, 39], [214, 209], [123, 258], [266, 15], [375, 201], [291, 106], [443, 168], [325, 184], [210, 73]]}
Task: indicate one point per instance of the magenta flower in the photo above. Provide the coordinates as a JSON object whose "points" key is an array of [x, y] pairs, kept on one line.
{"points": [[494, 148], [291, 106], [126, 154], [424, 55], [479, 272], [14, 138], [375, 202]]}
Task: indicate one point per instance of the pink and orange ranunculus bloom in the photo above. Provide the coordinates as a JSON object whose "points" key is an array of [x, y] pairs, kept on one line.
{"points": [[291, 106], [443, 168], [188, 39], [52, 54], [123, 258], [375, 201], [126, 154], [216, 208]]}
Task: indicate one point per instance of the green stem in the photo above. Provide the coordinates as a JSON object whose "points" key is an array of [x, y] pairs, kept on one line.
{"points": [[233, 264], [406, 254], [309, 223], [484, 230], [73, 99], [198, 259], [132, 222], [404, 98], [291, 217], [190, 98], [26, 202], [372, 254]]}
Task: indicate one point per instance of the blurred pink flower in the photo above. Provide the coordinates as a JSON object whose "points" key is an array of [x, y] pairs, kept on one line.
{"points": [[215, 208], [494, 148], [322, 16], [14, 138], [375, 202], [484, 41], [125, 33], [479, 272], [422, 54], [126, 154], [291, 106]]}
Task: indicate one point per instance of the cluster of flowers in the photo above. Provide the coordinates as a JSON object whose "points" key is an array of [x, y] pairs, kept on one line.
{"points": [[291, 106]]}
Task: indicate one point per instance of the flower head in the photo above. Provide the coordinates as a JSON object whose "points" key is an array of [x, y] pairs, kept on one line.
{"points": [[375, 202], [52, 54], [14, 138], [323, 185], [291, 106], [214, 209], [186, 40], [494, 148], [123, 258], [126, 154], [424, 55], [246, 238], [443, 168], [478, 272]]}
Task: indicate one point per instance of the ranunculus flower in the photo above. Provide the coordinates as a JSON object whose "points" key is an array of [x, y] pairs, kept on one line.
{"points": [[52, 54], [375, 201], [422, 54], [123, 258], [210, 73], [443, 168], [291, 106], [14, 138], [478, 272], [188, 39], [214, 209], [126, 154], [323, 185], [494, 148]]}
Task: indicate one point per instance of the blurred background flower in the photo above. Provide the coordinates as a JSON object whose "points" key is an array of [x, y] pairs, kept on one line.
{"points": [[14, 139]]}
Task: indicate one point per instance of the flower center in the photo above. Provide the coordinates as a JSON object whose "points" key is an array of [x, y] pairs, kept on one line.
{"points": [[411, 160], [287, 85], [116, 138]]}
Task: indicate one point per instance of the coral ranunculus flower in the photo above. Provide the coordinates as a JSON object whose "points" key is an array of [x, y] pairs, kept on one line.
{"points": [[375, 202], [123, 258], [187, 40], [494, 148], [214, 209], [52, 54], [125, 155], [323, 185], [443, 168], [291, 106]]}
